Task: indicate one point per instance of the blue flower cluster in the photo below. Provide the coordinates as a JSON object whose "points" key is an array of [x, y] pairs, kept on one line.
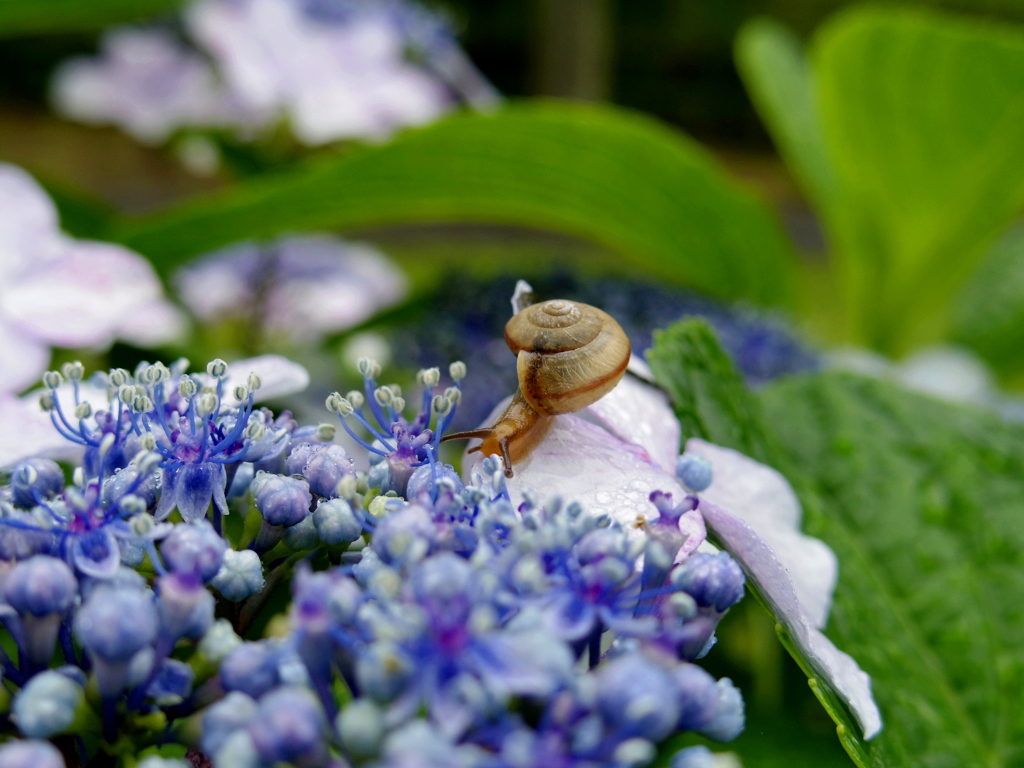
{"points": [[431, 623]]}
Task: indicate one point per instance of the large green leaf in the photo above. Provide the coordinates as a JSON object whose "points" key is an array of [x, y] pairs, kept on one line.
{"points": [[609, 176], [712, 402], [989, 313], [24, 17], [774, 68], [921, 115], [921, 501]]}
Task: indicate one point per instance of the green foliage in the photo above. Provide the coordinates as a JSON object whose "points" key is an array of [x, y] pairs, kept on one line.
{"points": [[26, 17], [921, 502], [989, 313], [608, 176], [904, 129]]}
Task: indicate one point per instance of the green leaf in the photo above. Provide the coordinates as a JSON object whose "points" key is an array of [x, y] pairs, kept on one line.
{"points": [[921, 115], [921, 502], [708, 394], [29, 17], [989, 313], [774, 68], [599, 173], [712, 402]]}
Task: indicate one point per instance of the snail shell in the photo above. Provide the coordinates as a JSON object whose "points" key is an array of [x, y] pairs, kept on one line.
{"points": [[569, 355]]}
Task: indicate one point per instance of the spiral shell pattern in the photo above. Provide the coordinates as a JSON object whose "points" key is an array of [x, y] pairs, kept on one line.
{"points": [[569, 354]]}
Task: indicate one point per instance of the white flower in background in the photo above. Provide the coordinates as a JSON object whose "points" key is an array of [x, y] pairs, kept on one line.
{"points": [[307, 286], [336, 69], [56, 291], [147, 83]]}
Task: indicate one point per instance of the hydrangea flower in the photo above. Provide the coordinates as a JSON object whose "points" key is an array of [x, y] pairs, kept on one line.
{"points": [[146, 82], [305, 286], [59, 291], [622, 450], [336, 69]]}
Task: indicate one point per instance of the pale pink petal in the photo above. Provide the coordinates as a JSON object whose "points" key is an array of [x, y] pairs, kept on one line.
{"points": [[281, 376], [834, 668], [26, 431], [764, 499], [580, 461], [22, 359], [153, 323], [691, 525], [85, 297], [640, 413], [28, 225]]}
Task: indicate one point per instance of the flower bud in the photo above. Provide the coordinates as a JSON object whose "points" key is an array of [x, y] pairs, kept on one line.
{"points": [[356, 398], [361, 727], [714, 581], [52, 380], [694, 472], [47, 704], [219, 641], [196, 549], [325, 432], [114, 624], [187, 387], [336, 522], [35, 477], [241, 392], [302, 535], [283, 500], [118, 377], [185, 607], [46, 402], [40, 586], [290, 728], [234, 711], [254, 381], [241, 575], [30, 754], [457, 370], [252, 668], [323, 466], [454, 394], [83, 410]]}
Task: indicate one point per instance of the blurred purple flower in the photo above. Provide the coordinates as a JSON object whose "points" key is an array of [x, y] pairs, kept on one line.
{"points": [[307, 285], [147, 83], [336, 69], [58, 291]]}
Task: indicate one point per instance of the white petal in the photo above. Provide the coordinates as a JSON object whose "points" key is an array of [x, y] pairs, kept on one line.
{"points": [[153, 323], [580, 461], [22, 359], [764, 499], [28, 224], [85, 296], [26, 431], [280, 376], [834, 668], [639, 413]]}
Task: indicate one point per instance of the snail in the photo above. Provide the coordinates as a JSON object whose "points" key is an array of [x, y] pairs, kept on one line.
{"points": [[569, 355]]}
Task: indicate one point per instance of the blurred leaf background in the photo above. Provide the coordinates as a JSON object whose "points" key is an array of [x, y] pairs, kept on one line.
{"points": [[858, 168]]}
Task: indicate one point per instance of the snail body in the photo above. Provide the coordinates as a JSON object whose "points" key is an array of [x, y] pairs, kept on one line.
{"points": [[568, 356]]}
